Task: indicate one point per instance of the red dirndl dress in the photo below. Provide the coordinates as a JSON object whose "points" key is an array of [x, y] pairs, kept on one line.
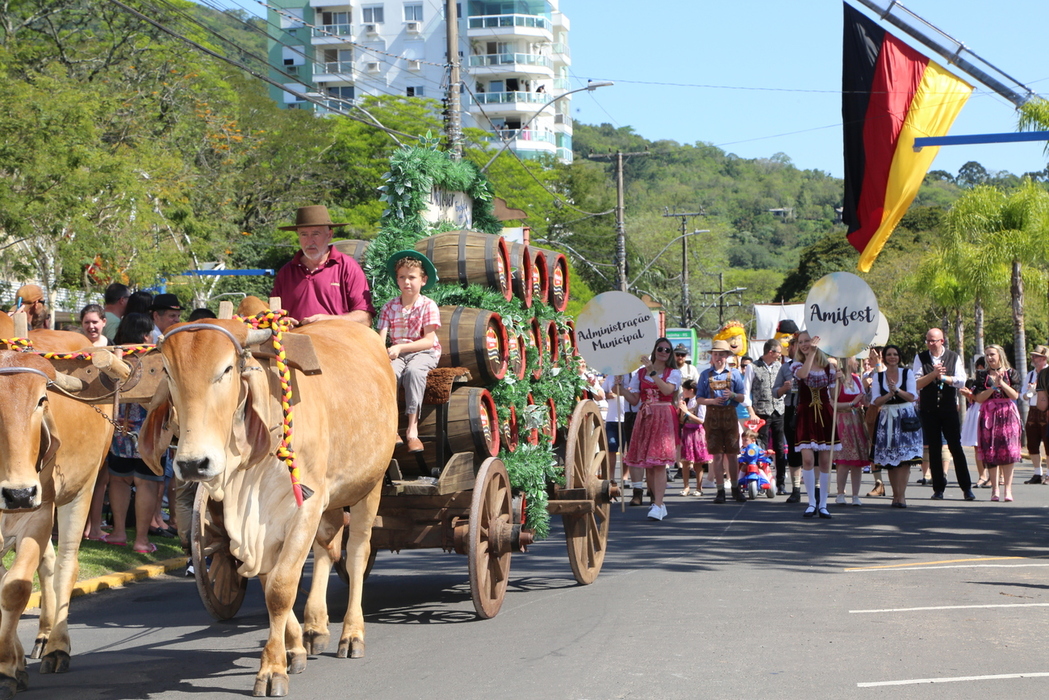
{"points": [[654, 440], [815, 412]]}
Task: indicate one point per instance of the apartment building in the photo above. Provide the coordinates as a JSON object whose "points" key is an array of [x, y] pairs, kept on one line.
{"points": [[514, 58]]}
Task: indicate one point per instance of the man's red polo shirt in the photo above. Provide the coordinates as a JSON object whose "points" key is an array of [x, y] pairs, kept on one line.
{"points": [[337, 287]]}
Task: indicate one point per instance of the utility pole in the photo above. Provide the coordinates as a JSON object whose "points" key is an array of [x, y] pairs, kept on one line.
{"points": [[455, 127], [719, 298], [621, 279], [686, 315]]}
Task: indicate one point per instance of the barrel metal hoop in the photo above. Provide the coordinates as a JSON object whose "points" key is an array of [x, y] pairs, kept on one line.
{"points": [[481, 348], [462, 259], [453, 335]]}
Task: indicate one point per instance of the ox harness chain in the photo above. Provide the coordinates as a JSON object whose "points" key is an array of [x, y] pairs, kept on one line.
{"points": [[277, 323]]}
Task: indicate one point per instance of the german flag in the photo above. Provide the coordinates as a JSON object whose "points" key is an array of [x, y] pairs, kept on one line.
{"points": [[890, 95]]}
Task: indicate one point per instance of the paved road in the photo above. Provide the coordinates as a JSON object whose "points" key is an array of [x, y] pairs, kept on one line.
{"points": [[715, 602]]}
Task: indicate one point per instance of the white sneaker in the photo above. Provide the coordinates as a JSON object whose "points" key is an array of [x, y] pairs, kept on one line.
{"points": [[656, 512], [840, 500], [856, 501]]}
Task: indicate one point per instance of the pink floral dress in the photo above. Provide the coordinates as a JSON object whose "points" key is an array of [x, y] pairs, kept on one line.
{"points": [[654, 441]]}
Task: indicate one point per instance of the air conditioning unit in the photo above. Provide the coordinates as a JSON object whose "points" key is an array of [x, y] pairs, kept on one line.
{"points": [[560, 119], [291, 70], [371, 29], [414, 27], [372, 67], [415, 65]]}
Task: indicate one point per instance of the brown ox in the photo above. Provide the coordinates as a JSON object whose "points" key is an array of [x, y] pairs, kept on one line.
{"points": [[35, 477], [228, 413]]}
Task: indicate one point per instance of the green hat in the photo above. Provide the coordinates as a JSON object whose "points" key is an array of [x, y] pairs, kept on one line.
{"points": [[428, 268]]}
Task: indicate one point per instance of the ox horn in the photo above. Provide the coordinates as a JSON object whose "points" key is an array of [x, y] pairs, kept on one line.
{"points": [[258, 335], [68, 383]]}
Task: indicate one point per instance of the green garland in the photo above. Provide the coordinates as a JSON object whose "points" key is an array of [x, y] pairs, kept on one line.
{"points": [[413, 173]]}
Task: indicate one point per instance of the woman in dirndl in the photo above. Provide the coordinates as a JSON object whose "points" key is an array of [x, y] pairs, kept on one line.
{"points": [[815, 373], [653, 445], [997, 389], [898, 436], [855, 445]]}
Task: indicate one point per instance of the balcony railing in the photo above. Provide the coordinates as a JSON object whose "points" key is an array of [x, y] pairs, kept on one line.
{"points": [[561, 49], [510, 59], [333, 67], [561, 84], [506, 21], [533, 135], [498, 98], [331, 30]]}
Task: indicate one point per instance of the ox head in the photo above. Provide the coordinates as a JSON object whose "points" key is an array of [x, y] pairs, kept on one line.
{"points": [[221, 397], [28, 437]]}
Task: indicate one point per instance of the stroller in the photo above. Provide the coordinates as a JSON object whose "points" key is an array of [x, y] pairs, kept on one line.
{"points": [[755, 470]]}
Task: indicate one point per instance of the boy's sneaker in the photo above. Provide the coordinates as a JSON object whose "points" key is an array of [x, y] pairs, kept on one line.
{"points": [[720, 498], [656, 512], [1035, 479]]}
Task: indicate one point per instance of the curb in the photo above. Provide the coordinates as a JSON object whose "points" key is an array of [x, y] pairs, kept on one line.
{"points": [[116, 580]]}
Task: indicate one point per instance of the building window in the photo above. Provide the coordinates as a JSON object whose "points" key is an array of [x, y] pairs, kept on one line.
{"points": [[416, 91], [342, 92], [291, 18], [373, 15], [335, 18], [413, 13]]}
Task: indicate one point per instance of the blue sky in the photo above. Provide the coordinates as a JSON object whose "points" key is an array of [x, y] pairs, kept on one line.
{"points": [[760, 77]]}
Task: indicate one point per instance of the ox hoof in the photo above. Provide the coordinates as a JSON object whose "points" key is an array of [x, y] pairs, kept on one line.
{"points": [[352, 648], [296, 662], [23, 679], [38, 647], [9, 686], [55, 662], [270, 686], [315, 642]]}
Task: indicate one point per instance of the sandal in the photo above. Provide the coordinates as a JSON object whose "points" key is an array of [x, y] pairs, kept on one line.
{"points": [[147, 550], [105, 540], [685, 491]]}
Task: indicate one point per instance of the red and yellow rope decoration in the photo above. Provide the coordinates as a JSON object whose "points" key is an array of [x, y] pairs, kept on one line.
{"points": [[26, 345], [277, 322]]}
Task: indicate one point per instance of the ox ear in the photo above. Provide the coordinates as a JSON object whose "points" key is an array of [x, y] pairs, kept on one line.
{"points": [[155, 436], [254, 439], [49, 442]]}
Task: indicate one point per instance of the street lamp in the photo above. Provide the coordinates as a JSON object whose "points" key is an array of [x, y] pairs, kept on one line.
{"points": [[591, 85]]}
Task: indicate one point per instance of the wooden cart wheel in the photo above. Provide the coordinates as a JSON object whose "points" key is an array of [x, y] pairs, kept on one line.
{"points": [[587, 466], [220, 587], [491, 527]]}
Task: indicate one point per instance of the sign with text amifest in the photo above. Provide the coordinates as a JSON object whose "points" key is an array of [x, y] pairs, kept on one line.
{"points": [[613, 331], [842, 311]]}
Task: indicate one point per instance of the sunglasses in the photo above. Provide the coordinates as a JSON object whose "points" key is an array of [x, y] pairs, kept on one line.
{"points": [[662, 349]]}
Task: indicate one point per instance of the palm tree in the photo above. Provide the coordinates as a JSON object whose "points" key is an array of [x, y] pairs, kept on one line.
{"points": [[1008, 229]]}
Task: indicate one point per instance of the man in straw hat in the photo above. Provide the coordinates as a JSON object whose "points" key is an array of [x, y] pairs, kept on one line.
{"points": [[320, 282], [1036, 418], [720, 389]]}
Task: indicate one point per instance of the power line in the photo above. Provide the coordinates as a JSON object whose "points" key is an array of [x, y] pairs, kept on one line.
{"points": [[303, 97]]}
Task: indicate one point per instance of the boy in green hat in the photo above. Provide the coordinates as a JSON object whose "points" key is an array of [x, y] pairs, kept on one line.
{"points": [[410, 322]]}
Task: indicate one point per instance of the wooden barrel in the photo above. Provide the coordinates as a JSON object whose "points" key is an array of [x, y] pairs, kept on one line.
{"points": [[518, 357], [540, 277], [535, 337], [468, 257], [553, 341], [475, 339], [532, 436], [508, 430], [550, 424], [568, 339], [521, 272], [472, 425], [557, 272], [352, 247]]}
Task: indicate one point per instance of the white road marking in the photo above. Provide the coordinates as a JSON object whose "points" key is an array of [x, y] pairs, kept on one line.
{"points": [[954, 607], [922, 567], [958, 679]]}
